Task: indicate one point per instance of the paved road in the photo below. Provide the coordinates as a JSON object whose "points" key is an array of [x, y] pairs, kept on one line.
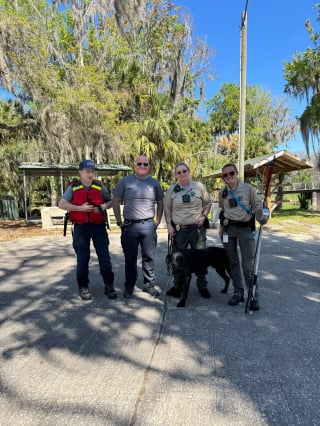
{"points": [[145, 362]]}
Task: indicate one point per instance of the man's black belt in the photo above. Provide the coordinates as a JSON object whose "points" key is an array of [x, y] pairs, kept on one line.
{"points": [[128, 221], [236, 223]]}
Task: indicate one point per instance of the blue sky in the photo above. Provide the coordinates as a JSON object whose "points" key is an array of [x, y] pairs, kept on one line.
{"points": [[275, 31]]}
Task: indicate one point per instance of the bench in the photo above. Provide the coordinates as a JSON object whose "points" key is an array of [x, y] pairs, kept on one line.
{"points": [[52, 217]]}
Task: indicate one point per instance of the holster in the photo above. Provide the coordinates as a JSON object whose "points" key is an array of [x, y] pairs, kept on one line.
{"points": [[65, 223]]}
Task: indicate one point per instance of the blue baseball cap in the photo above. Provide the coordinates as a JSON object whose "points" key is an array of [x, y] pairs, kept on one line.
{"points": [[87, 164]]}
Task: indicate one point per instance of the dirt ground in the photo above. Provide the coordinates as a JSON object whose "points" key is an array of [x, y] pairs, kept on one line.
{"points": [[15, 229]]}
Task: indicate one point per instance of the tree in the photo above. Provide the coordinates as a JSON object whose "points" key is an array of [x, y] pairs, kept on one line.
{"points": [[86, 69], [19, 137], [44, 65], [267, 124], [303, 82]]}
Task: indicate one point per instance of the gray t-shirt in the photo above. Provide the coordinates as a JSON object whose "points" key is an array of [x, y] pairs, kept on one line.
{"points": [[139, 196]]}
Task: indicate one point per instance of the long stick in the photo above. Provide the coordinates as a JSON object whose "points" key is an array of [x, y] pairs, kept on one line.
{"points": [[254, 279]]}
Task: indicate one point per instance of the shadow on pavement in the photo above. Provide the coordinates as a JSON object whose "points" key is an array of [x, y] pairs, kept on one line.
{"points": [[143, 361]]}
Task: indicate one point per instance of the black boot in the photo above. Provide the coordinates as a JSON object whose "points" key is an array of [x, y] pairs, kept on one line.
{"points": [[236, 299], [110, 291]]}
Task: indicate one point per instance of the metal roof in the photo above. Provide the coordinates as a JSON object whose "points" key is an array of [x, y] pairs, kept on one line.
{"points": [[51, 169], [283, 161]]}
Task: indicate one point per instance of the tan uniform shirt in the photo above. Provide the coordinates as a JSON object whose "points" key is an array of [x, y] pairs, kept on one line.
{"points": [[248, 197], [187, 212]]}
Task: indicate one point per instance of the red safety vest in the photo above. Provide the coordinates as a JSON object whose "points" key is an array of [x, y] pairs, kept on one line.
{"points": [[81, 195]]}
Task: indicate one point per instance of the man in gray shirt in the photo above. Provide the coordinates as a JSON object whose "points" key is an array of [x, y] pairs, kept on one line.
{"points": [[139, 193]]}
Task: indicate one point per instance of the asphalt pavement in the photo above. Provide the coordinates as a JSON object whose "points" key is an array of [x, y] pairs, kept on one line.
{"points": [[145, 362]]}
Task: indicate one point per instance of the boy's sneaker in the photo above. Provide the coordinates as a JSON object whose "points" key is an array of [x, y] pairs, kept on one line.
{"points": [[84, 293], [110, 292], [236, 299]]}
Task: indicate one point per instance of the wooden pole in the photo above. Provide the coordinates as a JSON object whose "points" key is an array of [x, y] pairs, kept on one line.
{"points": [[243, 78]]}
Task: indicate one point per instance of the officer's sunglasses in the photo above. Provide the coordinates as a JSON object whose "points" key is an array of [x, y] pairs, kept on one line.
{"points": [[225, 175]]}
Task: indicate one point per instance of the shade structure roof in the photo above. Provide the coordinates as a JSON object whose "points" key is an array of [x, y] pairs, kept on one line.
{"points": [[283, 161], [66, 170]]}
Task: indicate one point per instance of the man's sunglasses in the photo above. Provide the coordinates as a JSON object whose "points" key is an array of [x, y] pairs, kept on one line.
{"points": [[182, 171], [225, 175], [143, 164]]}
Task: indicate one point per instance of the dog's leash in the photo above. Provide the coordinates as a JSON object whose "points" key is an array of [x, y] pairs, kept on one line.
{"points": [[170, 251], [193, 230]]}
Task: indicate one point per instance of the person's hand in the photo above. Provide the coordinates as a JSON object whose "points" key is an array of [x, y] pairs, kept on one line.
{"points": [[88, 207], [263, 215], [220, 231], [171, 230], [201, 221]]}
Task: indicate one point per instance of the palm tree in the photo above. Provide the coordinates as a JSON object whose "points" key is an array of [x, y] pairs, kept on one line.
{"points": [[159, 136], [303, 82]]}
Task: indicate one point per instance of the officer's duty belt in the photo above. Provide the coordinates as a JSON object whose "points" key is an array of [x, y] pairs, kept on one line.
{"points": [[236, 223], [178, 227]]}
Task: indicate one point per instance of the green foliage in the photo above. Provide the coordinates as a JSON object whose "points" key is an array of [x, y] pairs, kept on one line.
{"points": [[89, 77], [267, 125], [224, 110], [302, 176], [18, 142], [302, 76]]}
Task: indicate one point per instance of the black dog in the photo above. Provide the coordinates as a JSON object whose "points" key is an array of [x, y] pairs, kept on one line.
{"points": [[185, 262]]}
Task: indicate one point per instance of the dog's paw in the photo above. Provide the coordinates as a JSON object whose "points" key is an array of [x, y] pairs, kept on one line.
{"points": [[174, 291], [224, 291], [205, 293], [181, 304]]}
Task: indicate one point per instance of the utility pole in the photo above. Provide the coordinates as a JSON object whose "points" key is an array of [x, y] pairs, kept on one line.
{"points": [[243, 91]]}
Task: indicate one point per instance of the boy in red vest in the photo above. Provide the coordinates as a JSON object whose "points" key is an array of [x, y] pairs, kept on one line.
{"points": [[86, 199]]}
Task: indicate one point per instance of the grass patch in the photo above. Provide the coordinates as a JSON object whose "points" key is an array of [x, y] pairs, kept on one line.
{"points": [[303, 216]]}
